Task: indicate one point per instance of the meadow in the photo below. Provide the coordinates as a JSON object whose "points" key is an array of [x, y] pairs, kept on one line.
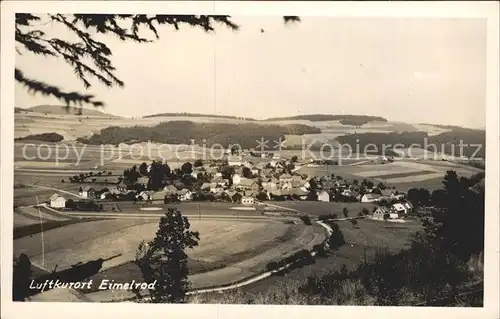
{"points": [[229, 250], [365, 239]]}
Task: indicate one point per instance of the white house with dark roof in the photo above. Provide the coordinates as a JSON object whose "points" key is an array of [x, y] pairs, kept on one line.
{"points": [[381, 211], [402, 208], [57, 201], [370, 198]]}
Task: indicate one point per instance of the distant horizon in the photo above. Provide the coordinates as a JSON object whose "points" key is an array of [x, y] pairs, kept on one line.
{"points": [[418, 70], [102, 109]]}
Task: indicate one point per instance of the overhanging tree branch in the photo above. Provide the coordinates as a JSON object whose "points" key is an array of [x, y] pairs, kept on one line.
{"points": [[69, 98], [89, 57]]}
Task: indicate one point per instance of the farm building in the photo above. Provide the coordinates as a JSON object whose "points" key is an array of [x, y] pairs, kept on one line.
{"points": [[247, 200], [400, 209], [323, 196], [87, 192], [381, 212], [57, 201], [248, 184], [370, 198], [403, 208]]}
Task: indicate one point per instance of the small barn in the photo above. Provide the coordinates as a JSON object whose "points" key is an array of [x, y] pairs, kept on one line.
{"points": [[57, 201]]}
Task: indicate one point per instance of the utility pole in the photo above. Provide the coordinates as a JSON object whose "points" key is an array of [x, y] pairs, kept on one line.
{"points": [[199, 211]]}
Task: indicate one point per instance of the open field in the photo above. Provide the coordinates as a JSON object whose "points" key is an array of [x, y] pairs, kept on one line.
{"points": [[320, 208], [366, 238], [243, 247], [44, 186], [401, 174]]}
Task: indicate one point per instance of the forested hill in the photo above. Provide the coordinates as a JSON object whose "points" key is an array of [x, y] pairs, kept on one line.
{"points": [[344, 119], [182, 132]]}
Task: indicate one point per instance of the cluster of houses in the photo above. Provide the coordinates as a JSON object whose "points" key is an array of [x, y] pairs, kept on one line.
{"points": [[395, 211]]}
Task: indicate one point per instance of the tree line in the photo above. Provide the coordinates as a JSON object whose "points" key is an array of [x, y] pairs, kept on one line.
{"points": [[182, 132], [332, 117], [44, 137]]}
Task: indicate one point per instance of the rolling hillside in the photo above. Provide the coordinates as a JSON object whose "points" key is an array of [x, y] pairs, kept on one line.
{"points": [[64, 110], [54, 119]]}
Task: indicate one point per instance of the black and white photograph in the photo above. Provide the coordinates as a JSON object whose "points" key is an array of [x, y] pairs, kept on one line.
{"points": [[216, 154]]}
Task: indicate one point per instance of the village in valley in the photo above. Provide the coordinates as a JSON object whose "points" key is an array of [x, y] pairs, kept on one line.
{"points": [[237, 179]]}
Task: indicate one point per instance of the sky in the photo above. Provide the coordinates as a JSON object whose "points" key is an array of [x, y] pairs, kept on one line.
{"points": [[418, 70]]}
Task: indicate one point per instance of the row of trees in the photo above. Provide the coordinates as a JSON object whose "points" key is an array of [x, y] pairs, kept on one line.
{"points": [[437, 198]]}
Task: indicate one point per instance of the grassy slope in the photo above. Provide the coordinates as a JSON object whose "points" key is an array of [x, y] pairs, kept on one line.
{"points": [[63, 110]]}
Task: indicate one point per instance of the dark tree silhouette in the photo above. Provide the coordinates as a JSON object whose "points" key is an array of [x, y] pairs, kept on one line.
{"points": [[246, 172], [158, 175], [336, 239], [187, 168], [22, 275], [198, 163], [89, 57], [419, 196], [345, 211], [438, 198], [163, 260], [143, 169]]}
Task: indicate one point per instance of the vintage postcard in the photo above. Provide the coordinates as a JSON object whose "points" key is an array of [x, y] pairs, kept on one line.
{"points": [[203, 155]]}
